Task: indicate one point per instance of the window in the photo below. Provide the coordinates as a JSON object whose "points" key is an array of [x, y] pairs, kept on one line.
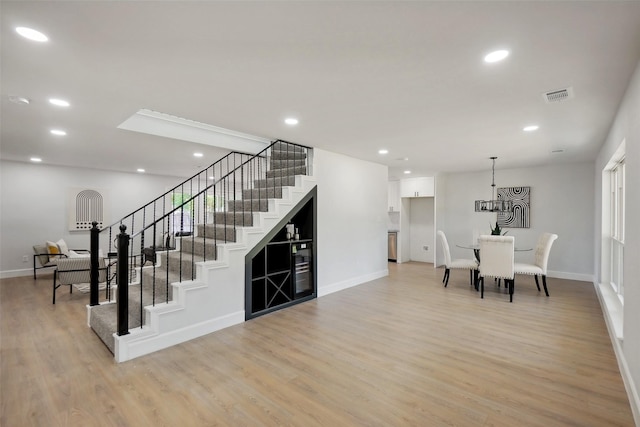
{"points": [[617, 220]]}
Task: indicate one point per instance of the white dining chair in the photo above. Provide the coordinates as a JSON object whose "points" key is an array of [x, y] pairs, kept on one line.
{"points": [[540, 259], [497, 260], [465, 264]]}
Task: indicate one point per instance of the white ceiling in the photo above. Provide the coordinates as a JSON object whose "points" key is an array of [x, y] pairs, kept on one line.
{"points": [[360, 76]]}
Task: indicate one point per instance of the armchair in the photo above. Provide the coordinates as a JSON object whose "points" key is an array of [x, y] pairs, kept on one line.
{"points": [[72, 271]]}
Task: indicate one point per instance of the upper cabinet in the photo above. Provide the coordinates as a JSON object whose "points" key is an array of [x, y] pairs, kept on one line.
{"points": [[394, 196], [417, 187]]}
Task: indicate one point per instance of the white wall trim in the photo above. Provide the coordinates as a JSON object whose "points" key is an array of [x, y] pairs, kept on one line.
{"points": [[571, 276], [355, 281], [609, 313], [140, 342], [17, 273]]}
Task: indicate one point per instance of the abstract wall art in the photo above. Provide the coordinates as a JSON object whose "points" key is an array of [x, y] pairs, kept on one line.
{"points": [[520, 217]]}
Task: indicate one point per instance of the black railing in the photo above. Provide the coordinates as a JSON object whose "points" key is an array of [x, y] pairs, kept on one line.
{"points": [[184, 226]]}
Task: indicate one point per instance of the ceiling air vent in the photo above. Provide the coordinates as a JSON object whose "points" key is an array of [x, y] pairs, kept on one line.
{"points": [[558, 95]]}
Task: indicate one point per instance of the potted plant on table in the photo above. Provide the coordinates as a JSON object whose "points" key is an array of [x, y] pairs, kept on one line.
{"points": [[497, 231]]}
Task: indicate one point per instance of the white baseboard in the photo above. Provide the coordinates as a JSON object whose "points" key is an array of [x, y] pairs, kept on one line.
{"points": [[145, 341], [335, 287], [612, 312], [7, 274], [571, 276]]}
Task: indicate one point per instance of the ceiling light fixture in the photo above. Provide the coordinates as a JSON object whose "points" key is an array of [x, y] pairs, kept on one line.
{"points": [[198, 154], [36, 159], [31, 34], [58, 132], [291, 121], [140, 170], [530, 128], [494, 205], [407, 172], [496, 56], [59, 102], [383, 151]]}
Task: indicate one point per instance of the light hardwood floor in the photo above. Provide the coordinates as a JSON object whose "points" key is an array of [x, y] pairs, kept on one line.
{"points": [[397, 351]]}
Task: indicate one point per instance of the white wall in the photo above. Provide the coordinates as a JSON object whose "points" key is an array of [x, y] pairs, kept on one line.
{"points": [[421, 228], [626, 127], [34, 205], [352, 221], [561, 203]]}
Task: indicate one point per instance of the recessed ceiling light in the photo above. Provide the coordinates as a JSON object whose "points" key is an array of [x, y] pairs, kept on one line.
{"points": [[140, 170], [58, 132], [383, 151], [291, 121], [36, 159], [407, 172], [198, 154], [20, 100], [31, 34], [497, 55], [530, 128], [59, 102]]}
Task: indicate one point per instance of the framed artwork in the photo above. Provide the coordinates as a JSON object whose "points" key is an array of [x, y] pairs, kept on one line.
{"points": [[520, 217], [86, 205]]}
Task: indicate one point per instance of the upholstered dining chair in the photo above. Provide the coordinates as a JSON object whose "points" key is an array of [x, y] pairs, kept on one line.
{"points": [[497, 260], [540, 258], [465, 264]]}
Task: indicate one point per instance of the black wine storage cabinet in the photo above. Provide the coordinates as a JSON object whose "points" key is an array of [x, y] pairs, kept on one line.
{"points": [[281, 270]]}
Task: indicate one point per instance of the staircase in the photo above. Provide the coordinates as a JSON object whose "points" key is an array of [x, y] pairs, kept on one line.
{"points": [[198, 287]]}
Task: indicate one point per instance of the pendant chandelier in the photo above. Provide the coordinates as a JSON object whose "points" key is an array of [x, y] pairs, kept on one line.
{"points": [[494, 205]]}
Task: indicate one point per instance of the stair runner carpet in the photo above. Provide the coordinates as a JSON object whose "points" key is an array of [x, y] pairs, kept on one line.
{"points": [[286, 161]]}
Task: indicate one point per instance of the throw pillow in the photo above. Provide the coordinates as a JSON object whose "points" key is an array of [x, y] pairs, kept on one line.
{"points": [[43, 254], [62, 245], [52, 248]]}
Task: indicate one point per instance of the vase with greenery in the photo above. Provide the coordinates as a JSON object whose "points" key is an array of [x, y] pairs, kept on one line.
{"points": [[497, 231]]}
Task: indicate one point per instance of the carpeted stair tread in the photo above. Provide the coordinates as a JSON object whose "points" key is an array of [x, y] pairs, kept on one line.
{"points": [[287, 163], [284, 146], [199, 246], [261, 193], [104, 322], [284, 154], [255, 205], [285, 181], [217, 232], [296, 170], [242, 219]]}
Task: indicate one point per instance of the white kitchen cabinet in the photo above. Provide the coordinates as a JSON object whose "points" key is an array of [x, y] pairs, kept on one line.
{"points": [[394, 196], [417, 187]]}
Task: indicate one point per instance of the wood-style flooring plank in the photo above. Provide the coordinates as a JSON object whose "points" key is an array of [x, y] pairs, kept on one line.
{"points": [[401, 350]]}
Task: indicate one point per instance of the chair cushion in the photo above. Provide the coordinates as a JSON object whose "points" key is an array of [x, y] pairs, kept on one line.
{"points": [[464, 263], [522, 268]]}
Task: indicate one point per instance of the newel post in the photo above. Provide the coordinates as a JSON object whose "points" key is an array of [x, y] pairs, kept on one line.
{"points": [[122, 273], [94, 272]]}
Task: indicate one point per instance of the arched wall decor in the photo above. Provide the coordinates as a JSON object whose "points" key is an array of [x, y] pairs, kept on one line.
{"points": [[85, 206], [520, 217]]}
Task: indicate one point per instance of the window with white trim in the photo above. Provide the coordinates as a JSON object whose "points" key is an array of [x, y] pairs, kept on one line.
{"points": [[617, 200]]}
